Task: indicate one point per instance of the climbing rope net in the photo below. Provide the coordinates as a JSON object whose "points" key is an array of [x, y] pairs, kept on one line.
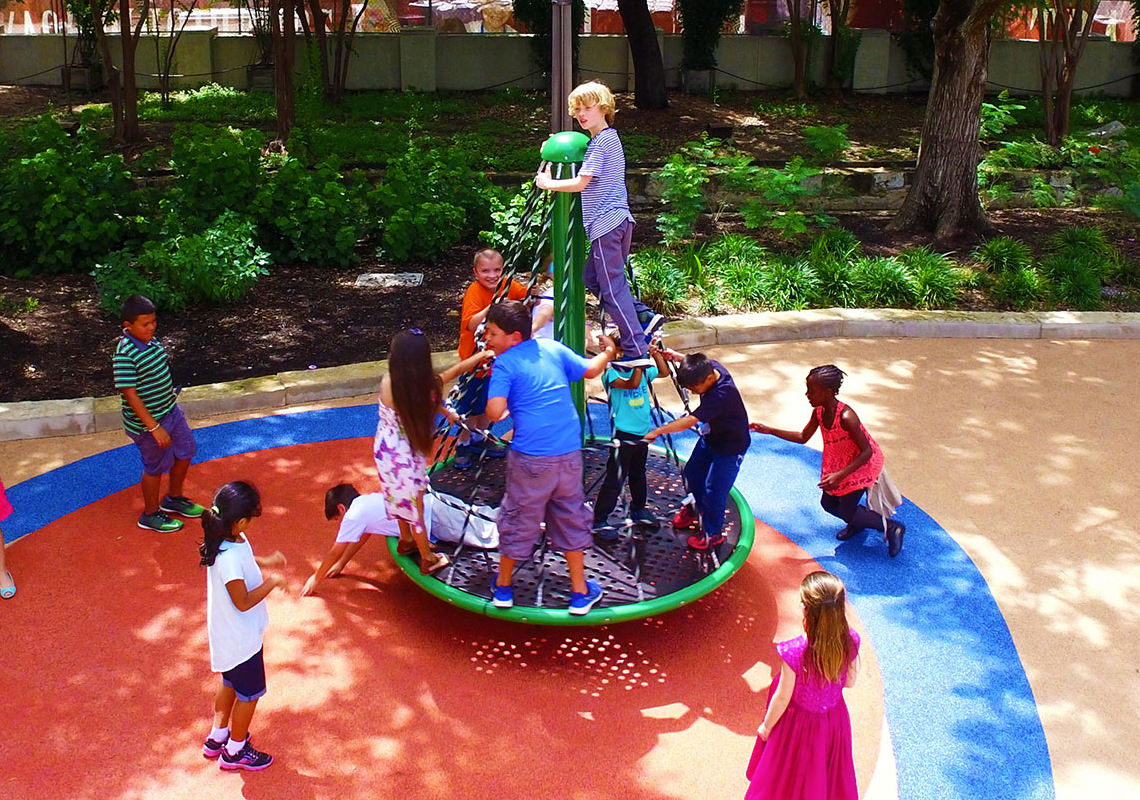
{"points": [[648, 567]]}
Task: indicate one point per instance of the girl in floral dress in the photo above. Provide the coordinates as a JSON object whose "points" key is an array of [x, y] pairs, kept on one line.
{"points": [[411, 393]]}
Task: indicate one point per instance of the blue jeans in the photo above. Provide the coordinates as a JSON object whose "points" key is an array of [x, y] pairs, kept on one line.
{"points": [[710, 476]]}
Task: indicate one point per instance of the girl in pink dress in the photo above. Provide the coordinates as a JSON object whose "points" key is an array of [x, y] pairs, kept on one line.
{"points": [[852, 460], [803, 746], [411, 394], [7, 585]]}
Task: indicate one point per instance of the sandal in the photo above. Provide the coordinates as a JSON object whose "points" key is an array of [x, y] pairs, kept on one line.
{"points": [[10, 592], [441, 562]]}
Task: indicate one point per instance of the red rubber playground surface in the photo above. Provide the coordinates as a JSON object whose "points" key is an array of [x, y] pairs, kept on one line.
{"points": [[375, 688]]}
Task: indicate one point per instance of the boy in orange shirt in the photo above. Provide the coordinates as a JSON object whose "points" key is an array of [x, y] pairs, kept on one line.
{"points": [[488, 269]]}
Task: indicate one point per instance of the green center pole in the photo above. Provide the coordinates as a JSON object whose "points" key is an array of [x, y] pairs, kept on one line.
{"points": [[565, 152]]}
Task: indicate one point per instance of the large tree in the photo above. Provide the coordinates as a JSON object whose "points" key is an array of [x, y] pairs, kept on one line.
{"points": [[1063, 28], [648, 68], [122, 81], [944, 195]]}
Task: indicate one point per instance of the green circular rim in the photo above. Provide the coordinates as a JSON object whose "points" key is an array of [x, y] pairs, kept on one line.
{"points": [[597, 616]]}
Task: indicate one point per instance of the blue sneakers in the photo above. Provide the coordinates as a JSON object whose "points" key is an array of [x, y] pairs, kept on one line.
{"points": [[462, 457], [582, 602], [501, 596]]}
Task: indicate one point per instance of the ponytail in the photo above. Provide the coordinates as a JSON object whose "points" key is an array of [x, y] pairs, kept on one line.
{"points": [[830, 649], [235, 501]]}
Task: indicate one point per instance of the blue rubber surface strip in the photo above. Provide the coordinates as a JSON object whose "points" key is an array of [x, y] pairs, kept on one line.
{"points": [[962, 717]]}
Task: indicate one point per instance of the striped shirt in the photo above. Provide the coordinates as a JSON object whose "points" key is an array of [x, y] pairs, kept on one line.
{"points": [[605, 204], [144, 368]]}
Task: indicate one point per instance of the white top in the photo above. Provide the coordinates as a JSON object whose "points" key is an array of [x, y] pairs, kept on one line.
{"points": [[448, 521], [235, 636], [546, 299], [368, 513]]}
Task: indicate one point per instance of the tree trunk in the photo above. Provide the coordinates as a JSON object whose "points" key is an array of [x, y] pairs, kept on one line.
{"points": [[648, 69], [114, 85], [1061, 53], [320, 33], [130, 91], [796, 40], [284, 54], [839, 11], [944, 195]]}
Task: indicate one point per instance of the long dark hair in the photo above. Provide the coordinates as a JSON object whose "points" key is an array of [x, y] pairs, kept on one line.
{"points": [[416, 388], [830, 648], [236, 500]]}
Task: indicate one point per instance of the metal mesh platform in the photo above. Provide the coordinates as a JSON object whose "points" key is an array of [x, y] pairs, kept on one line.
{"points": [[649, 569]]}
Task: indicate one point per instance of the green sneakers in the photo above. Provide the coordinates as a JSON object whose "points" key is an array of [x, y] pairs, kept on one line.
{"points": [[159, 521], [181, 506]]}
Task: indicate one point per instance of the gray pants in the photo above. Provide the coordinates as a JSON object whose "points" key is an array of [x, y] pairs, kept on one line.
{"points": [[604, 276], [543, 489]]}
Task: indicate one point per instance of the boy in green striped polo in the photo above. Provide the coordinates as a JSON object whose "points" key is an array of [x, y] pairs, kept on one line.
{"points": [[152, 418]]}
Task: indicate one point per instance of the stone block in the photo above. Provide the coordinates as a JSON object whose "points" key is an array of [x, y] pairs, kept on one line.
{"points": [[1089, 325], [776, 326], [330, 383], [904, 323], [689, 334], [223, 398], [108, 413], [34, 419]]}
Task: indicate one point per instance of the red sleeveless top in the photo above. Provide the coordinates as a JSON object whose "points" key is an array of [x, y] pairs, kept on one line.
{"points": [[839, 450]]}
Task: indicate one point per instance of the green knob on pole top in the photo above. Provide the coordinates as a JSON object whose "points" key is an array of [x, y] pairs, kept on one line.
{"points": [[567, 147]]}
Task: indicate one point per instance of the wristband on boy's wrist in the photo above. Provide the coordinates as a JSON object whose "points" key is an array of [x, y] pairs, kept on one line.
{"points": [[155, 428]]}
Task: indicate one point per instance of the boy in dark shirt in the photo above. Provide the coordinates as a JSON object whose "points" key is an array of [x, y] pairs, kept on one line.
{"points": [[715, 461]]}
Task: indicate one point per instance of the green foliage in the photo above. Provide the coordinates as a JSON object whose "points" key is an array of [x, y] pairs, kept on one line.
{"points": [[663, 282], [790, 284], [422, 232], [218, 265], [1043, 194], [773, 108], [309, 216], [996, 117], [883, 281], [737, 263], [1030, 154], [916, 38], [1080, 241], [936, 276], [779, 192], [832, 256], [217, 169], [64, 206], [507, 216], [1074, 279], [701, 22], [1002, 253], [683, 196], [1128, 201], [827, 143], [1019, 288]]}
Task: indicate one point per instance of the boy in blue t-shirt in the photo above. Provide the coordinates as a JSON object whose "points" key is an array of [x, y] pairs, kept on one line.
{"points": [[715, 461], [531, 378], [608, 223], [630, 404]]}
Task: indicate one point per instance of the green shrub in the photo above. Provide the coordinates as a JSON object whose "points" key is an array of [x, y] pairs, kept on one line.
{"points": [[64, 206], [661, 279], [1019, 288], [1122, 271], [1077, 241], [215, 266], [1074, 279], [217, 169], [1002, 253], [996, 117], [835, 242], [832, 256], [789, 284], [827, 143], [883, 281], [310, 216], [423, 232], [683, 196], [937, 278], [508, 235]]}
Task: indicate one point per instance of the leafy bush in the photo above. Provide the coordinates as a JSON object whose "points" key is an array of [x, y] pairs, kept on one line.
{"points": [[779, 192], [998, 116], [883, 281], [663, 282], [309, 216], [936, 277], [683, 196], [423, 232], [217, 265], [1002, 253], [1019, 288], [832, 256], [789, 284], [217, 169], [509, 232], [737, 263], [827, 143], [1074, 279], [64, 206], [1089, 241]]}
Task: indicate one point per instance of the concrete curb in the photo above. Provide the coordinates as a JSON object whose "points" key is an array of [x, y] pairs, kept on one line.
{"points": [[44, 418]]}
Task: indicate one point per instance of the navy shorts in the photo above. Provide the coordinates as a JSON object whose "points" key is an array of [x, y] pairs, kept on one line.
{"points": [[474, 399], [158, 460], [247, 679]]}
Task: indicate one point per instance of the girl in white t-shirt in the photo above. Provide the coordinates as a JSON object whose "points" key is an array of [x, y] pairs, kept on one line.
{"points": [[236, 619]]}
